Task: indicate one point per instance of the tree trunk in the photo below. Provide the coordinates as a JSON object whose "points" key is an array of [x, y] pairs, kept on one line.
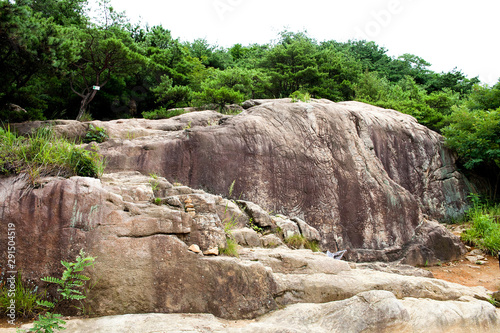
{"points": [[86, 99]]}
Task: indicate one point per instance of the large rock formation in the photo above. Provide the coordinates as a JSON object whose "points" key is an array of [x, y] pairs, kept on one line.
{"points": [[365, 177], [143, 262], [141, 227]]}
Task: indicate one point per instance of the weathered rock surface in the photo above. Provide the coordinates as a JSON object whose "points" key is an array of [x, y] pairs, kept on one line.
{"points": [[144, 265], [373, 311], [361, 175]]}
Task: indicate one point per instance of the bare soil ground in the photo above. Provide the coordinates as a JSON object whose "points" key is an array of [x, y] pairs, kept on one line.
{"points": [[470, 274]]}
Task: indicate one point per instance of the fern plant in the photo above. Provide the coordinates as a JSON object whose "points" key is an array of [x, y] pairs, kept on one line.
{"points": [[72, 281], [47, 323], [70, 287]]}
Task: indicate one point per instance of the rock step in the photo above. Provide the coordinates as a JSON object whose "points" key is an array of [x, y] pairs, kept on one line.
{"points": [[372, 311]]}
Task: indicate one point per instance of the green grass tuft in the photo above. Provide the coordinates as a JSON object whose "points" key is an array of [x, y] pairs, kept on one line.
{"points": [[25, 298], [300, 242], [162, 113], [231, 248], [485, 229], [44, 154]]}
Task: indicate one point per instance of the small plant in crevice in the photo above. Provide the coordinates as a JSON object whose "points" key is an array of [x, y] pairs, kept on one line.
{"points": [[231, 248], [254, 226], [298, 95], [230, 223], [494, 302], [71, 287], [157, 201], [154, 182], [95, 133], [298, 241]]}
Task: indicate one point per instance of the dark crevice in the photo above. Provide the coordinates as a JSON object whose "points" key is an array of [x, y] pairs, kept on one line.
{"points": [[151, 235]]}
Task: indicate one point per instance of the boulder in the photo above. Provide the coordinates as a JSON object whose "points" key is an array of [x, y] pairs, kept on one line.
{"points": [[246, 237], [310, 233], [325, 287], [287, 226], [287, 261], [258, 215], [396, 268], [271, 241], [230, 213]]}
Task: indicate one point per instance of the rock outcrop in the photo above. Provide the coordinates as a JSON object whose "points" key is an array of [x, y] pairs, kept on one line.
{"points": [[373, 311], [147, 263], [366, 178], [142, 245]]}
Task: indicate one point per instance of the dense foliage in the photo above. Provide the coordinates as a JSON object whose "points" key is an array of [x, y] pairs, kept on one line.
{"points": [[56, 61]]}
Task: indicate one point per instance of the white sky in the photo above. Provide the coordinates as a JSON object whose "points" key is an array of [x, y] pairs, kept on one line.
{"points": [[446, 33]]}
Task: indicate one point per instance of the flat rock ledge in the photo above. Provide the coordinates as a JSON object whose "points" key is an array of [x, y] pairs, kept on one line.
{"points": [[371, 311]]}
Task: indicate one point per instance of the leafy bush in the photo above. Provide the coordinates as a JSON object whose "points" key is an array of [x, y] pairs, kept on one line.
{"points": [[162, 113], [95, 133], [70, 287], [44, 154], [47, 323], [300, 96]]}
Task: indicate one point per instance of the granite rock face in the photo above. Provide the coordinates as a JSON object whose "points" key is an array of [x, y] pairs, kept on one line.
{"points": [[368, 179], [361, 175]]}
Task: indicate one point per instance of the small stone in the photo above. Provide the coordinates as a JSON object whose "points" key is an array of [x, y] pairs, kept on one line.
{"points": [[194, 248], [188, 204], [476, 252], [480, 262], [214, 251], [474, 259]]}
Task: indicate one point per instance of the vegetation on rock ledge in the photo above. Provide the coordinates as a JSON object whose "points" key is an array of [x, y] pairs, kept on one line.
{"points": [[44, 154]]}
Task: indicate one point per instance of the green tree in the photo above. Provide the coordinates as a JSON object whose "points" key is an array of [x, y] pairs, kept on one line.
{"points": [[31, 47], [104, 52], [484, 97], [219, 96], [338, 72], [454, 80], [63, 12], [210, 55], [171, 96], [291, 64], [475, 136]]}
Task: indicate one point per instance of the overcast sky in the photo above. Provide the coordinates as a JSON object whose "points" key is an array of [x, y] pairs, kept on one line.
{"points": [[446, 33]]}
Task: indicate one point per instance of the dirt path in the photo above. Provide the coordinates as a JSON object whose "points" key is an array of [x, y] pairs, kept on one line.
{"points": [[470, 274]]}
